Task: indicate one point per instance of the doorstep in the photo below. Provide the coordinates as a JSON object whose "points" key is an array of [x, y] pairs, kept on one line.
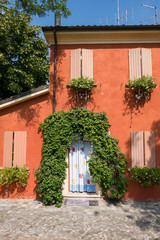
{"points": [[76, 195], [81, 202]]}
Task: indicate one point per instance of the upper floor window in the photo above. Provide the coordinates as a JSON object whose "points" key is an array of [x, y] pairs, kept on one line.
{"points": [[140, 63], [81, 63]]}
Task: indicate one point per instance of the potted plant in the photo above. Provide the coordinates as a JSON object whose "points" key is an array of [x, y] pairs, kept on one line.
{"points": [[110, 190], [82, 83], [142, 87], [81, 88], [145, 176]]}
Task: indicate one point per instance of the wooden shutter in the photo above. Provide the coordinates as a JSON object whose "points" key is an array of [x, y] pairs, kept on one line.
{"points": [[149, 146], [8, 149], [137, 149], [146, 62], [134, 63], [20, 148], [76, 63], [87, 63]]}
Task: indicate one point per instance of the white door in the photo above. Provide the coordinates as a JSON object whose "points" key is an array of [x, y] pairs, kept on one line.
{"points": [[80, 179]]}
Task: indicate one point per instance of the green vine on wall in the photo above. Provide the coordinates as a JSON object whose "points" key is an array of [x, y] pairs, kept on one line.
{"points": [[107, 164]]}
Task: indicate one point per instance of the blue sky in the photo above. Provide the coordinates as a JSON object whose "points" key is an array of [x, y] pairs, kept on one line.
{"points": [[93, 12]]}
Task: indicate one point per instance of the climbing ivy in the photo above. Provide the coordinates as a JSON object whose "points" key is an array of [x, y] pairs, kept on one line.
{"points": [[107, 163]]}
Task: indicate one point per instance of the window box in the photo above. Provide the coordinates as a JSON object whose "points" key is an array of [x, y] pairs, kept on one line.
{"points": [[142, 87]]}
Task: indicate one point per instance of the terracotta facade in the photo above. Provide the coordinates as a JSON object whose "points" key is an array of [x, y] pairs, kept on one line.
{"points": [[125, 114]]}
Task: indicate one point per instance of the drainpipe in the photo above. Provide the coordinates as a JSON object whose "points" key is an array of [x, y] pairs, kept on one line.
{"points": [[55, 71], [56, 23]]}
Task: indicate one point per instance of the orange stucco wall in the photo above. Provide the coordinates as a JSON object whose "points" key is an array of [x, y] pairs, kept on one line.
{"points": [[111, 72], [25, 116]]}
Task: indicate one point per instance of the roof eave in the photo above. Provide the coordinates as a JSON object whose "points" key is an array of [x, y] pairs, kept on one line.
{"points": [[101, 28], [24, 98]]}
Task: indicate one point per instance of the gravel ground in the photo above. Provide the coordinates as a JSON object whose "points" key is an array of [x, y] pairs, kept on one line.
{"points": [[31, 220]]}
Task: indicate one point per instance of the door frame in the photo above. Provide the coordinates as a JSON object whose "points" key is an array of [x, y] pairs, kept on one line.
{"points": [[66, 191]]}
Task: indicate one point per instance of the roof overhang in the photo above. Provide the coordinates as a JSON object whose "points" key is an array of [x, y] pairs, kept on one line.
{"points": [[103, 34], [16, 100]]}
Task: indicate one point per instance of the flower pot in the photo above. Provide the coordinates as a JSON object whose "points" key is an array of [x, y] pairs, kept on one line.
{"points": [[110, 190]]}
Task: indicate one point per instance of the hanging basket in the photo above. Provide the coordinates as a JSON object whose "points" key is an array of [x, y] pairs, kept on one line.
{"points": [[78, 89], [142, 87]]}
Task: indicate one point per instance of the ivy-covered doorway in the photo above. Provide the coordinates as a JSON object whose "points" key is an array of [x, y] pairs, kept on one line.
{"points": [[80, 179], [107, 164]]}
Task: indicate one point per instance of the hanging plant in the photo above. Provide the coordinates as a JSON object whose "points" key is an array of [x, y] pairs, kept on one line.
{"points": [[82, 88], [142, 87], [82, 83], [107, 164]]}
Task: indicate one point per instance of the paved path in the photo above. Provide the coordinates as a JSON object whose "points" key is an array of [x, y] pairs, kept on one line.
{"points": [[30, 220]]}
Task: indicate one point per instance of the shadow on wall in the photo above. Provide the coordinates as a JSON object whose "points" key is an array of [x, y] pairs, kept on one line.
{"points": [[31, 113], [156, 129], [128, 153], [79, 98], [59, 80], [5, 192], [132, 105]]}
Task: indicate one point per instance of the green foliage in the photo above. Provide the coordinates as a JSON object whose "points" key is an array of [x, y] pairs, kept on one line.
{"points": [[87, 83], [3, 5], [142, 86], [146, 176], [23, 54], [41, 7], [12, 175], [107, 164]]}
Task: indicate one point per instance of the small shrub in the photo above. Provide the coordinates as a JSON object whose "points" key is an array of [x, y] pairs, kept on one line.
{"points": [[145, 176], [10, 175]]}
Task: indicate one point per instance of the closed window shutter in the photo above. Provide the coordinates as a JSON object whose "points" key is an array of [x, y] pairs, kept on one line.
{"points": [[149, 146], [8, 149], [87, 63], [134, 63], [20, 148], [137, 149], [146, 62], [76, 63]]}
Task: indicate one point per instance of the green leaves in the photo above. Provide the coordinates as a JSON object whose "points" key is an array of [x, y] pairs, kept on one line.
{"points": [[12, 175], [40, 8], [23, 54], [107, 165], [145, 176], [142, 86], [87, 83]]}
